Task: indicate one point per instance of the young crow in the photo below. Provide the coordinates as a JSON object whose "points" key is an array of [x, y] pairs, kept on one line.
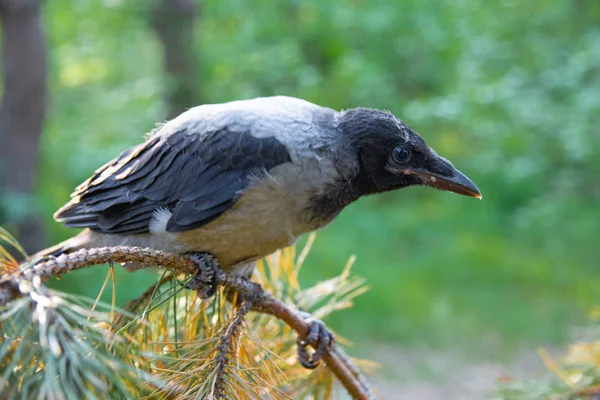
{"points": [[242, 179]]}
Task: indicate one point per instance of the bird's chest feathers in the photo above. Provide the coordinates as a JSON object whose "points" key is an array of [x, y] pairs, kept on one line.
{"points": [[270, 214]]}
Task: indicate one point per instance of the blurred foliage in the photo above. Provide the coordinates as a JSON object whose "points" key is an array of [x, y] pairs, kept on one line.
{"points": [[508, 90], [574, 376]]}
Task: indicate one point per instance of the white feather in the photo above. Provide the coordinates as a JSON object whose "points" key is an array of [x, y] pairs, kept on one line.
{"points": [[159, 221]]}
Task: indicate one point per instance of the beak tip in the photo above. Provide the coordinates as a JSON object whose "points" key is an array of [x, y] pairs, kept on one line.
{"points": [[458, 183], [466, 186]]}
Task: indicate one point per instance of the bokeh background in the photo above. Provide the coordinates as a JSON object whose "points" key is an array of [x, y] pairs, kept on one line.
{"points": [[508, 90]]}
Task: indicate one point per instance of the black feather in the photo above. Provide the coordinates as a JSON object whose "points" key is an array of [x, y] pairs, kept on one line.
{"points": [[187, 217], [195, 176]]}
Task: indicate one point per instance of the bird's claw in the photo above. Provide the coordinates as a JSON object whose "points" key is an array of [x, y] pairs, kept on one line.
{"points": [[317, 335], [204, 280]]}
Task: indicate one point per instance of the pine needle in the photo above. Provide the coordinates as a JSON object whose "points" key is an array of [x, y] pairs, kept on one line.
{"points": [[8, 264], [168, 343]]}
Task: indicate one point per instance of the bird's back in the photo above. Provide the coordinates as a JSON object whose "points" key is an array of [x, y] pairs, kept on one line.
{"points": [[291, 120]]}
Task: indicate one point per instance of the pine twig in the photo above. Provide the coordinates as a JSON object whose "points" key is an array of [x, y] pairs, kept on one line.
{"points": [[336, 360], [225, 349]]}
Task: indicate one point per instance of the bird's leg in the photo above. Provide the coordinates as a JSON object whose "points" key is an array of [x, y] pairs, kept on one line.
{"points": [[317, 335], [204, 280]]}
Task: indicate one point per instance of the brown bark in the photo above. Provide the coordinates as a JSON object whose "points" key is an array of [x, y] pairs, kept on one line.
{"points": [[174, 22], [23, 106]]}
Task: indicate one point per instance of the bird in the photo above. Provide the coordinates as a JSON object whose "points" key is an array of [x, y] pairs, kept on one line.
{"points": [[242, 179], [230, 183]]}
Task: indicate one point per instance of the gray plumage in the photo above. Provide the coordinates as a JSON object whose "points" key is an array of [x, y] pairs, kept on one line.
{"points": [[242, 179]]}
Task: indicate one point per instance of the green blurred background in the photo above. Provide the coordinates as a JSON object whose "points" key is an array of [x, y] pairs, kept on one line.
{"points": [[508, 90]]}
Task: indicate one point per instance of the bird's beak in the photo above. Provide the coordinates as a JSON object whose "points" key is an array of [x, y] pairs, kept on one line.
{"points": [[455, 182]]}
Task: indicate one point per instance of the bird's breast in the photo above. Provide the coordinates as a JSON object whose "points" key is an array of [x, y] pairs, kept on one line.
{"points": [[272, 213]]}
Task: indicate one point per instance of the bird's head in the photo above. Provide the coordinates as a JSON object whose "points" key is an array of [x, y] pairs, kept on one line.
{"points": [[392, 156]]}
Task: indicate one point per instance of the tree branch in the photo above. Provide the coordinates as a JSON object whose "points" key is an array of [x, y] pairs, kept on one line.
{"points": [[336, 360]]}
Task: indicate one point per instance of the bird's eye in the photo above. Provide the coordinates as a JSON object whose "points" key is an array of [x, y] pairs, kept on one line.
{"points": [[400, 155]]}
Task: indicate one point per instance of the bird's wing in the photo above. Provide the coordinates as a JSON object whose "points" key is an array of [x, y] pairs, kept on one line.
{"points": [[195, 176]]}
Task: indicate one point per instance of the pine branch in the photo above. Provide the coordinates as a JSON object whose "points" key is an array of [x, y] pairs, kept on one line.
{"points": [[225, 349], [262, 301]]}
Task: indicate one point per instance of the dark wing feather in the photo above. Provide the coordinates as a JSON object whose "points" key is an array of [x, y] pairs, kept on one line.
{"points": [[196, 177]]}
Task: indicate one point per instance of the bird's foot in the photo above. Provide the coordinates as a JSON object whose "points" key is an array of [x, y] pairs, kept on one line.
{"points": [[204, 280], [317, 335]]}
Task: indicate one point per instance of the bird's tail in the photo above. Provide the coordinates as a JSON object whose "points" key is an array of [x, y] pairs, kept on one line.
{"points": [[68, 246]]}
